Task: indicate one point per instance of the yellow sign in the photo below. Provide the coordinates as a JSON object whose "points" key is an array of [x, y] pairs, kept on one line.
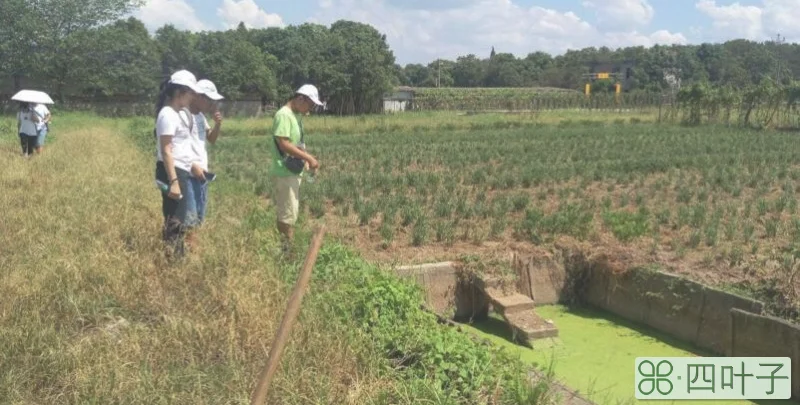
{"points": [[602, 75]]}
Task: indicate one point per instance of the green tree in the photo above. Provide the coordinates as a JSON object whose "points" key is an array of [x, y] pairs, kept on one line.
{"points": [[128, 55], [177, 49], [20, 37], [62, 25], [237, 67], [469, 71], [417, 74], [368, 62]]}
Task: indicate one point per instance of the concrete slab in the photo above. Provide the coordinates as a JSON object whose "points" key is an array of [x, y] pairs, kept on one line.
{"points": [[509, 304], [528, 326], [426, 268], [488, 282]]}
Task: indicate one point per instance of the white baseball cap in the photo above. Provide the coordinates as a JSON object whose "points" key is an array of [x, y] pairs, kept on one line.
{"points": [[310, 91], [208, 88], [185, 78]]}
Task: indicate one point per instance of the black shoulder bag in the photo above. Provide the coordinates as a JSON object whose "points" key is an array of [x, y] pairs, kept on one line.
{"points": [[293, 164]]}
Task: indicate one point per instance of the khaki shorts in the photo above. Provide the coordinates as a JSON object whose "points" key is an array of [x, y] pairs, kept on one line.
{"points": [[286, 197]]}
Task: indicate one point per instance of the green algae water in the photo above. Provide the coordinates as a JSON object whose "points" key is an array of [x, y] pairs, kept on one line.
{"points": [[595, 354]]}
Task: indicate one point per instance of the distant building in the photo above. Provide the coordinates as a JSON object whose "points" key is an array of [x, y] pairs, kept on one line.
{"points": [[623, 71], [399, 100]]}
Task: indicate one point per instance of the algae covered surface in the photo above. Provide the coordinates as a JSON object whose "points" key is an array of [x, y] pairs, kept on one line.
{"points": [[595, 354]]}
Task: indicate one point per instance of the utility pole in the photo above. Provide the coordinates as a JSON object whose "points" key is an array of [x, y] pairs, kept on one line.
{"points": [[439, 72], [779, 40]]}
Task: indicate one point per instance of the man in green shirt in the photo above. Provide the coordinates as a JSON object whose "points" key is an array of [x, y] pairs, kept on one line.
{"points": [[287, 131]]}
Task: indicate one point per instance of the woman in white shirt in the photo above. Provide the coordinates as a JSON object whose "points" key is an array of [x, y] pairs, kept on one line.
{"points": [[174, 126], [41, 115], [26, 128]]}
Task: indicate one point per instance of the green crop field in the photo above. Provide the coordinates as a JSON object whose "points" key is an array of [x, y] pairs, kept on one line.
{"points": [[713, 202], [524, 98]]}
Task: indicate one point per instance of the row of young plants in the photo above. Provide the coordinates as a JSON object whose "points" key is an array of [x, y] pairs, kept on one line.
{"points": [[433, 187], [517, 99], [463, 176]]}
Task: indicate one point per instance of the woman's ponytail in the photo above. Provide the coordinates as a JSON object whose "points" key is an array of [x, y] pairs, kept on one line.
{"points": [[162, 96]]}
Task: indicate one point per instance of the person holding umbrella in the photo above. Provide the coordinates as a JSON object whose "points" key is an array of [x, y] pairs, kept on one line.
{"points": [[27, 119], [289, 159], [26, 128]]}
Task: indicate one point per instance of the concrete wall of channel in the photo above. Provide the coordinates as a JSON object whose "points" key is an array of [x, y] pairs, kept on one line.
{"points": [[764, 336], [711, 319], [447, 294]]}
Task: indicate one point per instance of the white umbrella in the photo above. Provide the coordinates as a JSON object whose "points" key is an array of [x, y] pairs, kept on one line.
{"points": [[32, 96]]}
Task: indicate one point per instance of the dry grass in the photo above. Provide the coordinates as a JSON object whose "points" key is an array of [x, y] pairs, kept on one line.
{"points": [[91, 312]]}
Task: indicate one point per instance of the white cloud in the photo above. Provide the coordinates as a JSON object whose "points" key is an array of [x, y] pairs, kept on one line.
{"points": [[733, 21], [755, 22], [474, 26], [621, 14], [665, 37], [634, 38], [781, 16], [233, 12], [157, 13]]}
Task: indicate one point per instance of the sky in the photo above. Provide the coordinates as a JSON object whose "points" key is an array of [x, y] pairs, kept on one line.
{"points": [[420, 31]]}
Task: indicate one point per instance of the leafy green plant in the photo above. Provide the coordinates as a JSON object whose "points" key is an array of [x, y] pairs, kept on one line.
{"points": [[771, 227], [627, 226], [445, 233], [420, 233], [520, 202]]}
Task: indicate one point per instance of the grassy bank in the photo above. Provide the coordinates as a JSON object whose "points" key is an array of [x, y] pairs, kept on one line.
{"points": [[92, 311]]}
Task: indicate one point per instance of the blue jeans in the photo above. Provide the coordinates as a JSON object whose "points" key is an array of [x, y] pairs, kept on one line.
{"points": [[41, 137], [196, 201], [176, 212]]}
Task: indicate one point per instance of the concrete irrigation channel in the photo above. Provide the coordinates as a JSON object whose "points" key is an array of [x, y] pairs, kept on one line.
{"points": [[591, 323]]}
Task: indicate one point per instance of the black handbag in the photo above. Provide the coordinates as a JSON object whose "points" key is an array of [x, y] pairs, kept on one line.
{"points": [[293, 164]]}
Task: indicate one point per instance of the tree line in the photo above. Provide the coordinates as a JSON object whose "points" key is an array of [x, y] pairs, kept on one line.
{"points": [[737, 63], [83, 49]]}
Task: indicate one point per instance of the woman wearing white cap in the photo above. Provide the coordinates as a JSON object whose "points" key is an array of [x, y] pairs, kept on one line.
{"points": [[175, 153], [289, 159], [202, 132]]}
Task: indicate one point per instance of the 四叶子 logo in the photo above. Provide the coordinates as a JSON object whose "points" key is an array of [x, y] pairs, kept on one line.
{"points": [[713, 378], [655, 377]]}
